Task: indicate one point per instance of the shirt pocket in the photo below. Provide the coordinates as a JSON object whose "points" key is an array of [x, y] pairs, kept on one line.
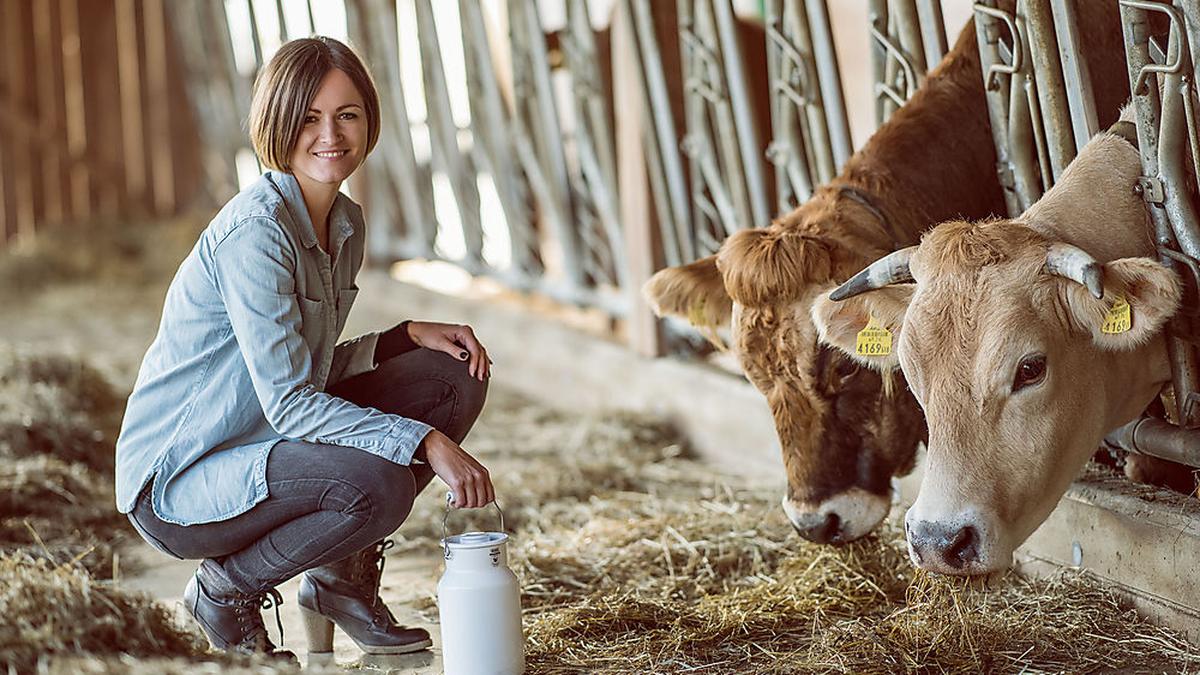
{"points": [[345, 302], [313, 315]]}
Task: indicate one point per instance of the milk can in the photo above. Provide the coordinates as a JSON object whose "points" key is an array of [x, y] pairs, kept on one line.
{"points": [[479, 604]]}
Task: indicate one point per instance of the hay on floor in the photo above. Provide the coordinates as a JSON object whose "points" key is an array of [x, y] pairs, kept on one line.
{"points": [[57, 405], [53, 609], [633, 558]]}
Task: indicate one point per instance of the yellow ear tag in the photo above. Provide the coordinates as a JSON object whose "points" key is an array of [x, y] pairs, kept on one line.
{"points": [[1118, 319], [873, 340]]}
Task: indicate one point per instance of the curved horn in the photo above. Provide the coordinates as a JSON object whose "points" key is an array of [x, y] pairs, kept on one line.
{"points": [[890, 269], [1071, 262]]}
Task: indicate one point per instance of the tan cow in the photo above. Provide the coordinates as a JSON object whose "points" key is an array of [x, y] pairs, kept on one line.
{"points": [[843, 434], [1004, 341]]}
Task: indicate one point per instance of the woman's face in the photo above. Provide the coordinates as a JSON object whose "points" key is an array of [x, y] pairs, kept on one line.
{"points": [[333, 137]]}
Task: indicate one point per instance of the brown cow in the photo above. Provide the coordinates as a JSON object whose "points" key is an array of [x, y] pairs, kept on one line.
{"points": [[1005, 341], [843, 433]]}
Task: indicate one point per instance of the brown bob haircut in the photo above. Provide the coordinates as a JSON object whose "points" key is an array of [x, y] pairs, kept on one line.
{"points": [[285, 88]]}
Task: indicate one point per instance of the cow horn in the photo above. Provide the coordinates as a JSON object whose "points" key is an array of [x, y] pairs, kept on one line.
{"points": [[1071, 262], [888, 270]]}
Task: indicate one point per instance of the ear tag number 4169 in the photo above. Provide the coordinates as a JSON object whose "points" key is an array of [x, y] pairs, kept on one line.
{"points": [[1118, 319], [873, 340]]}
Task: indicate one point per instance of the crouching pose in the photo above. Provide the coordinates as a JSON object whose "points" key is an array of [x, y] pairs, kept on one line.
{"points": [[252, 440]]}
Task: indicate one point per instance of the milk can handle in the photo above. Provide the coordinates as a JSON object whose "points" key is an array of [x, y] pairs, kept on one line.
{"points": [[446, 515]]}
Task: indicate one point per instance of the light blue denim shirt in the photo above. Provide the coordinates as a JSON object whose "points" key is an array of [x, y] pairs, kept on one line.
{"points": [[244, 353]]}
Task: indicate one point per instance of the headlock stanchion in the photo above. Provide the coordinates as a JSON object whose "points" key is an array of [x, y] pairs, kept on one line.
{"points": [[547, 144], [1162, 80], [1039, 93], [811, 135]]}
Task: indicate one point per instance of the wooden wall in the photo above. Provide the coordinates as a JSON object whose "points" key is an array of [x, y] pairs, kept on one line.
{"points": [[94, 120]]}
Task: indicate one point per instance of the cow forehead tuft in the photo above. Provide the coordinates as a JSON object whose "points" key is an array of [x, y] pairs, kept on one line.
{"points": [[962, 246]]}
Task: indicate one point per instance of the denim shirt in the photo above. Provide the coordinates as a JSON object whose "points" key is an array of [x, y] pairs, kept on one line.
{"points": [[244, 352]]}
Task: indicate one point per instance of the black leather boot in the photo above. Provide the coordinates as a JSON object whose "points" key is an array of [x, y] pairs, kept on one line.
{"points": [[346, 593], [232, 620]]}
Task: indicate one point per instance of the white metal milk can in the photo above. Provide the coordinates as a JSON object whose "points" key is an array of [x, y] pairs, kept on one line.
{"points": [[480, 604]]}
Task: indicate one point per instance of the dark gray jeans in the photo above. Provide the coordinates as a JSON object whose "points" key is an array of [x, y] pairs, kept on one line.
{"points": [[327, 501]]}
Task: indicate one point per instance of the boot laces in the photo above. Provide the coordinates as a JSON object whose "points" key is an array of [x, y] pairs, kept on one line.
{"points": [[380, 614], [248, 616]]}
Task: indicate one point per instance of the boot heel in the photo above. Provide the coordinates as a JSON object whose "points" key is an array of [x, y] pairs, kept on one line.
{"points": [[319, 631]]}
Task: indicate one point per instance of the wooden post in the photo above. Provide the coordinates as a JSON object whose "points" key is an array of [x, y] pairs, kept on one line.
{"points": [[129, 76], [21, 178], [158, 93], [77, 141], [49, 112], [642, 247]]}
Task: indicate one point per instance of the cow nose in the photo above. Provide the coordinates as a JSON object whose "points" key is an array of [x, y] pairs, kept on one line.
{"points": [[820, 528], [936, 545]]}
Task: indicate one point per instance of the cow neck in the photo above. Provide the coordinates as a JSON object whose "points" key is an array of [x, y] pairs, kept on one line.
{"points": [[868, 203]]}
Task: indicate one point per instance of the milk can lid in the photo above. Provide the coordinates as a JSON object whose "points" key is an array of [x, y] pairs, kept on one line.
{"points": [[475, 540]]}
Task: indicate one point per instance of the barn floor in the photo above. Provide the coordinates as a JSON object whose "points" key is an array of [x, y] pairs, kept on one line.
{"points": [[635, 557]]}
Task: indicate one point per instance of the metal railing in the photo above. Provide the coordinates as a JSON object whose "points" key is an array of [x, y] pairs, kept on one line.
{"points": [[1162, 81], [1040, 99]]}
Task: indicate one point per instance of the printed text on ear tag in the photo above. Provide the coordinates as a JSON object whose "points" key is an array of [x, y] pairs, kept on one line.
{"points": [[874, 340], [1118, 319]]}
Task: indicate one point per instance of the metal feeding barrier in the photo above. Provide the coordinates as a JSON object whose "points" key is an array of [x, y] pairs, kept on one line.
{"points": [[538, 151], [1163, 84], [1039, 93]]}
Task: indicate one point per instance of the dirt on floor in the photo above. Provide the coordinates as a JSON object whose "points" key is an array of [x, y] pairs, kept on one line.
{"points": [[632, 557]]}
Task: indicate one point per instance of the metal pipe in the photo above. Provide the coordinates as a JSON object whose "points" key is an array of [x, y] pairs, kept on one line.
{"points": [[1080, 98], [830, 79], [738, 98], [1158, 438], [1051, 91], [933, 31]]}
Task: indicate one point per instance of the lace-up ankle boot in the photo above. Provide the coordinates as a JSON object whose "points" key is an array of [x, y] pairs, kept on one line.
{"points": [[232, 620], [346, 593]]}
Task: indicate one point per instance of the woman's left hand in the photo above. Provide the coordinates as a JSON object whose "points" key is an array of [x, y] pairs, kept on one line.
{"points": [[457, 340]]}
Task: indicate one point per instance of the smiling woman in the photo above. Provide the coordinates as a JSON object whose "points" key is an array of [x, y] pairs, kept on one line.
{"points": [[253, 440]]}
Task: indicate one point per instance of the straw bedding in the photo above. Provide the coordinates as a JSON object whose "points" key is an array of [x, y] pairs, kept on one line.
{"points": [[50, 609], [58, 421], [634, 559]]}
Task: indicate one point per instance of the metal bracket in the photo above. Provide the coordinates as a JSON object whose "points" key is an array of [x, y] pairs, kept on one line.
{"points": [[1005, 173], [1150, 189]]}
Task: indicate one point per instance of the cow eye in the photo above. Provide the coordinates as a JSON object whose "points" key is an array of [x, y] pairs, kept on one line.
{"points": [[1030, 371]]}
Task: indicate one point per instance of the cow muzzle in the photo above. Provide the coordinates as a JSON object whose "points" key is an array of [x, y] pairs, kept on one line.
{"points": [[963, 545], [839, 519]]}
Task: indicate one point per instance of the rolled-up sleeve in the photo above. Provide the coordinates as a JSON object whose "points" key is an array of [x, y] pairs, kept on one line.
{"points": [[254, 268]]}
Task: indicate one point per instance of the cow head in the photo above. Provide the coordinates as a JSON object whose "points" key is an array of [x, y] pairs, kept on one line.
{"points": [[844, 430], [1001, 341]]}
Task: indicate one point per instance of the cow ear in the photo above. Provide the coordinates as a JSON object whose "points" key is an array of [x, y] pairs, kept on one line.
{"points": [[839, 323], [1151, 290], [693, 291]]}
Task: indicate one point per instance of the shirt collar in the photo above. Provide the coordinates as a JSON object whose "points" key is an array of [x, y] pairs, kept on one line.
{"points": [[340, 215], [289, 187]]}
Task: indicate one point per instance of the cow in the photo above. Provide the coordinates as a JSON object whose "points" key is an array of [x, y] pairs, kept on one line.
{"points": [[1025, 341], [845, 431]]}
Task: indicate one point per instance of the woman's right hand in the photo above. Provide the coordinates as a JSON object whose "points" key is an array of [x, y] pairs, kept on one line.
{"points": [[466, 477]]}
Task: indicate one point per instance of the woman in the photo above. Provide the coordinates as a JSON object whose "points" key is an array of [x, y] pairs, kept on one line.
{"points": [[255, 443]]}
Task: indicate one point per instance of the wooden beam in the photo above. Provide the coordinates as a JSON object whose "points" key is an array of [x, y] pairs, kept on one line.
{"points": [[129, 77], [157, 90], [76, 114], [636, 208], [54, 179], [20, 158]]}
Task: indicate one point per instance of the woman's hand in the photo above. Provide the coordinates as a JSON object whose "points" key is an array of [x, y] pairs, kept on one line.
{"points": [[457, 340], [467, 478]]}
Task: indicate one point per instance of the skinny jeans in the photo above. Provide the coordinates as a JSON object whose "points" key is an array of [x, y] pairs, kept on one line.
{"points": [[326, 502]]}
